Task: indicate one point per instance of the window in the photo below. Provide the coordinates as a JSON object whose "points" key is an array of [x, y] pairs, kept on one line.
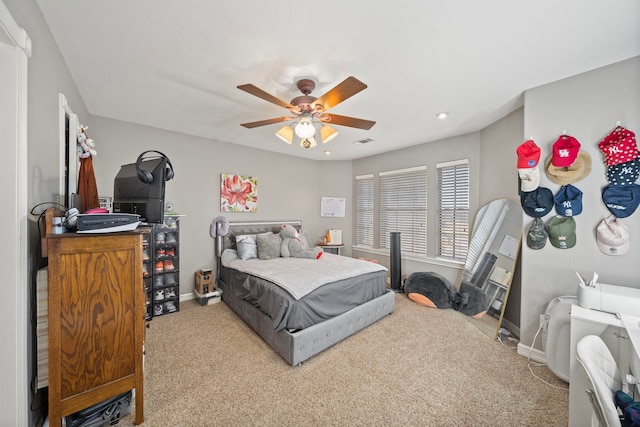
{"points": [[364, 210], [453, 209], [403, 208]]}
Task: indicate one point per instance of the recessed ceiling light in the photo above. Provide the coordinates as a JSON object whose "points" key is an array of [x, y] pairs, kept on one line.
{"points": [[442, 115], [327, 152]]}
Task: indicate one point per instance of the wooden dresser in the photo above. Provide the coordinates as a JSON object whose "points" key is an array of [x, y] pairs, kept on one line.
{"points": [[96, 320]]}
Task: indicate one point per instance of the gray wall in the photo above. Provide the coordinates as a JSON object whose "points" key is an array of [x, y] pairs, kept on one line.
{"points": [[288, 187], [587, 106], [460, 147], [490, 163]]}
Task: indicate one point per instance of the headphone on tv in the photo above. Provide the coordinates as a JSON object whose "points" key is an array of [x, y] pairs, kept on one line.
{"points": [[146, 176]]}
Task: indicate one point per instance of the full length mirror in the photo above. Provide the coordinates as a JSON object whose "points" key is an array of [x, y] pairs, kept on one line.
{"points": [[493, 250]]}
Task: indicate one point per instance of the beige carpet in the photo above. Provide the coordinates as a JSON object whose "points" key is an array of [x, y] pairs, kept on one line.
{"points": [[417, 367]]}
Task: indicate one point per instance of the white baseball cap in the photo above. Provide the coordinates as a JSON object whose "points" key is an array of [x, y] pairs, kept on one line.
{"points": [[529, 178], [612, 236]]}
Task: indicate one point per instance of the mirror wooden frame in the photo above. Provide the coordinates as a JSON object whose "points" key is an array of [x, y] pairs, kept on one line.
{"points": [[494, 247]]}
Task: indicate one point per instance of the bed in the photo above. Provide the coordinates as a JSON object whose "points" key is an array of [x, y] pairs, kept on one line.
{"points": [[299, 320]]}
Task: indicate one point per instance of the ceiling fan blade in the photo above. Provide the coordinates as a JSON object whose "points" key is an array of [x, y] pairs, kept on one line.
{"points": [[349, 87], [353, 122], [256, 91], [267, 122]]}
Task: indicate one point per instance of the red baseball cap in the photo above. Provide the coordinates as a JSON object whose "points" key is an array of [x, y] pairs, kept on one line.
{"points": [[565, 151], [619, 146], [528, 154]]}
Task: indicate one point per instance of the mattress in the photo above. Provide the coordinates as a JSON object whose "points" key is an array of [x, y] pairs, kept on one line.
{"points": [[286, 312]]}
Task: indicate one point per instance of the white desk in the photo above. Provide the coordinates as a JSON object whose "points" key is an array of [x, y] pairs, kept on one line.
{"points": [[613, 332]]}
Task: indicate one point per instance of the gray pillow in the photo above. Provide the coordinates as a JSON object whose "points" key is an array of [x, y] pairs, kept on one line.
{"points": [[268, 245], [246, 246]]}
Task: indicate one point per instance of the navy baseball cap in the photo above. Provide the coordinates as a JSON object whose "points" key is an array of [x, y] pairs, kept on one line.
{"points": [[568, 201], [624, 173], [622, 201], [537, 203]]}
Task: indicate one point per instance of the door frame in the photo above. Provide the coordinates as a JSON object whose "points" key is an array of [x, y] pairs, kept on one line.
{"points": [[15, 50]]}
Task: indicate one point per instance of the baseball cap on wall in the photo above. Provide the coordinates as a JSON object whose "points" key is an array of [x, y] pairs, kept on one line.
{"points": [[619, 146], [562, 232], [580, 168], [612, 236], [528, 154], [622, 201], [565, 151], [537, 235], [568, 201], [529, 178], [624, 173], [537, 203]]}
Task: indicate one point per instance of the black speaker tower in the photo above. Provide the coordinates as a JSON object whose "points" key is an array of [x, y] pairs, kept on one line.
{"points": [[395, 261]]}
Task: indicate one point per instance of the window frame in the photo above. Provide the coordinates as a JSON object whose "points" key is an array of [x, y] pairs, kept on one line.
{"points": [[364, 209], [403, 208], [453, 209]]}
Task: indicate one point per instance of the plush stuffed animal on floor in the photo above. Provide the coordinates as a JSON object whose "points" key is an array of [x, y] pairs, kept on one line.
{"points": [[433, 290], [292, 246]]}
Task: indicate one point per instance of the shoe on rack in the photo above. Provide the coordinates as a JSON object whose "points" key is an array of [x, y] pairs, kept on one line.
{"points": [[145, 270], [160, 238], [173, 225], [159, 295], [158, 281], [157, 309], [170, 306], [160, 252], [168, 265], [170, 279], [159, 266], [145, 255], [171, 251], [171, 238], [169, 293]]}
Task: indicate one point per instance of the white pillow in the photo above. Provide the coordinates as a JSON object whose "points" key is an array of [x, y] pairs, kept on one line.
{"points": [[246, 246]]}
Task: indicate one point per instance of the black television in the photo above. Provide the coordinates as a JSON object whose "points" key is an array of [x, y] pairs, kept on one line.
{"points": [[132, 195]]}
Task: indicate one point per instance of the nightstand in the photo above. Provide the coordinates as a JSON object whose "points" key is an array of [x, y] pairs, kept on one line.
{"points": [[332, 249]]}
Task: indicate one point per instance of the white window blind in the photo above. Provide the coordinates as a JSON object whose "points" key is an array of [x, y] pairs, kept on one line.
{"points": [[487, 224], [364, 210], [453, 209], [403, 208]]}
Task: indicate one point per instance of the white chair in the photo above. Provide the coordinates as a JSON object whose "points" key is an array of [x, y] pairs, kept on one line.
{"points": [[604, 376]]}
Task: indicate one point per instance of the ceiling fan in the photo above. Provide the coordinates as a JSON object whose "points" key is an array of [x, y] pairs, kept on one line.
{"points": [[307, 111]]}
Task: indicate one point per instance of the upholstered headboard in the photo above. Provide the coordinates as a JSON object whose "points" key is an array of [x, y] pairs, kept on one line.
{"points": [[257, 227]]}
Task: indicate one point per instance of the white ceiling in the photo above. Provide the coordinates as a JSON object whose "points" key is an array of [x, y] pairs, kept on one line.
{"points": [[175, 64]]}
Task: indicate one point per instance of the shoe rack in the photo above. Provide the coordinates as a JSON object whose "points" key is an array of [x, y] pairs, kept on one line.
{"points": [[162, 267]]}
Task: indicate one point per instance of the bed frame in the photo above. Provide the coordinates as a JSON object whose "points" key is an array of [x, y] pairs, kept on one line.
{"points": [[296, 347]]}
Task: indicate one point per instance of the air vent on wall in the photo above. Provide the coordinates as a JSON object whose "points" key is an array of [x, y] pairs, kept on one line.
{"points": [[363, 141]]}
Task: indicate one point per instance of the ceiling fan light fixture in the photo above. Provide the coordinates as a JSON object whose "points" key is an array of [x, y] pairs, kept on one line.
{"points": [[286, 134], [308, 142], [327, 133], [305, 128]]}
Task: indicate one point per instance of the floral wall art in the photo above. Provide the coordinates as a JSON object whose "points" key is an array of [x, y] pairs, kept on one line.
{"points": [[238, 193]]}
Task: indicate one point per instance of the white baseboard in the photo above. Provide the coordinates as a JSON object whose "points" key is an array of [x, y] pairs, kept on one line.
{"points": [[187, 297], [532, 353]]}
